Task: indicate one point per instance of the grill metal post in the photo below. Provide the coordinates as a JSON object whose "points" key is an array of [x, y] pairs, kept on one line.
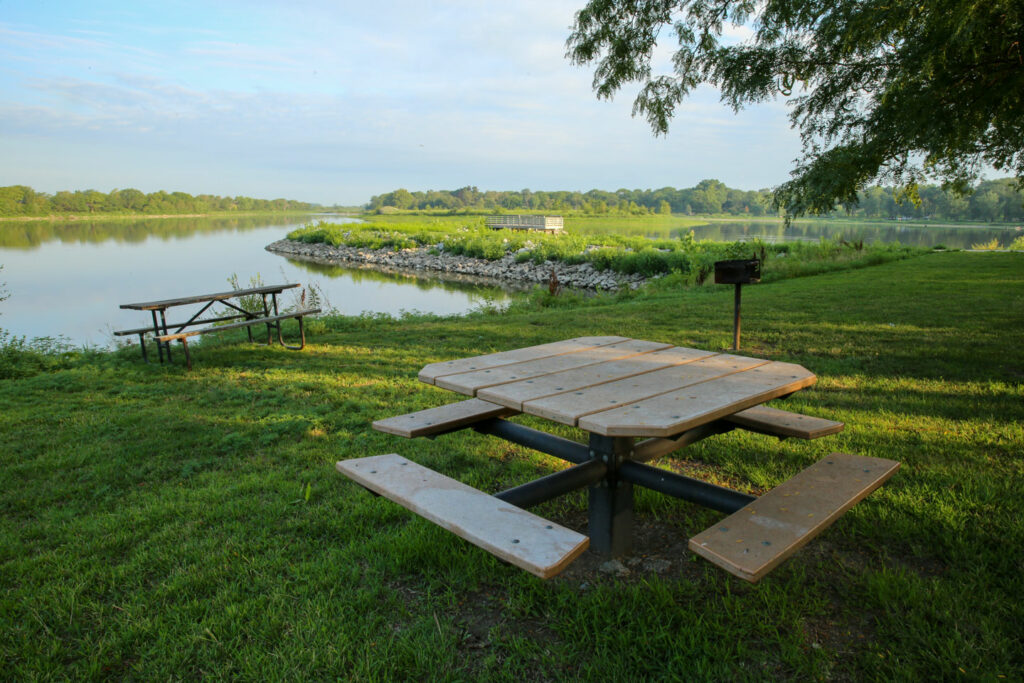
{"points": [[737, 272]]}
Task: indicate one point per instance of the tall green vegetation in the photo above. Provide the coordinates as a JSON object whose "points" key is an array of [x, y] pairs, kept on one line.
{"points": [[19, 200], [20, 357], [691, 261], [990, 201]]}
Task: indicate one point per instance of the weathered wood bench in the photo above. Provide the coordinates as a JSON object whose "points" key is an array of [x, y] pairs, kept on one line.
{"points": [[784, 424], [514, 535], [759, 536], [446, 418], [272, 322]]}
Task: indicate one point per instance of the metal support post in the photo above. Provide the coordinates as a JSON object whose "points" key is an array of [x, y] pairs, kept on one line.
{"points": [[163, 330], [611, 499]]}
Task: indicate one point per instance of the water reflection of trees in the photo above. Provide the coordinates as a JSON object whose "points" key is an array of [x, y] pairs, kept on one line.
{"points": [[31, 234], [909, 235], [465, 284]]}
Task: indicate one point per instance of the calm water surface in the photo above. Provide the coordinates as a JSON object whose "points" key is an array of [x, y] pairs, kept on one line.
{"points": [[68, 278], [723, 230], [910, 235]]}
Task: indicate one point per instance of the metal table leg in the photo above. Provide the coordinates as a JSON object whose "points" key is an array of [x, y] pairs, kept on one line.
{"points": [[610, 507]]}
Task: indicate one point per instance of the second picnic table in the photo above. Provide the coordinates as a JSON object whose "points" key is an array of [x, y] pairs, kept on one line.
{"points": [[164, 333], [619, 390]]}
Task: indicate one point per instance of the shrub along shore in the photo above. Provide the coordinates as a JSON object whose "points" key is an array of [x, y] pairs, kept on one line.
{"points": [[158, 523]]}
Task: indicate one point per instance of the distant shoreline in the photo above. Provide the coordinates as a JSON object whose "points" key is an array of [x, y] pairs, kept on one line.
{"points": [[139, 216]]}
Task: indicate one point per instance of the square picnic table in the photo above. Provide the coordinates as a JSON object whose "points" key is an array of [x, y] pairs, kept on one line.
{"points": [[620, 390]]}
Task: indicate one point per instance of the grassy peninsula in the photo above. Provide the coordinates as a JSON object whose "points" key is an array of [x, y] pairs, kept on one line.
{"points": [[627, 250], [159, 523]]}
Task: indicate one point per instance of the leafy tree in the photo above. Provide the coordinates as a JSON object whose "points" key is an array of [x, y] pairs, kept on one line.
{"points": [[985, 206], [896, 90]]}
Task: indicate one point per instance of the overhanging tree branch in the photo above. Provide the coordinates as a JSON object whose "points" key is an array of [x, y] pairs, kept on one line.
{"points": [[885, 81]]}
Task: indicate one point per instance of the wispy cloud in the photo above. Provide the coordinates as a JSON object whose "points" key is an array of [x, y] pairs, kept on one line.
{"points": [[360, 97]]}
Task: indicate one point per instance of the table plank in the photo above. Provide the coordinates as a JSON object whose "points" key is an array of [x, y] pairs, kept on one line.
{"points": [[217, 296], [432, 372], [676, 411], [515, 394], [470, 383], [568, 408]]}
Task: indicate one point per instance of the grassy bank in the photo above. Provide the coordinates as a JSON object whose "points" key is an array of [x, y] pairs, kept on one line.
{"points": [[691, 261], [159, 523]]}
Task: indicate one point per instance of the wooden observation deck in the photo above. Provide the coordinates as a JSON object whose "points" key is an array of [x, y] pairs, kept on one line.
{"points": [[517, 222]]}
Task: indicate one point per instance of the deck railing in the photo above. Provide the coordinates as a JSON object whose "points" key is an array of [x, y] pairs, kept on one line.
{"points": [[518, 222]]}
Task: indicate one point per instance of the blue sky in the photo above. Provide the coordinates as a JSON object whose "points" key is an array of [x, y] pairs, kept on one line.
{"points": [[333, 102]]}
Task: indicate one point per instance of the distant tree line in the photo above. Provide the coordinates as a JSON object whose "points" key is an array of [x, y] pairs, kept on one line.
{"points": [[19, 200], [990, 201]]}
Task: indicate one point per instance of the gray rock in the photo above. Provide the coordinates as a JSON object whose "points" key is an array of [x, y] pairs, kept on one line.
{"points": [[580, 276], [614, 567], [657, 565]]}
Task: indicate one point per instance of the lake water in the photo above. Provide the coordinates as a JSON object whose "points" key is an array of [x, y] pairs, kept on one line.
{"points": [[68, 278], [915, 235]]}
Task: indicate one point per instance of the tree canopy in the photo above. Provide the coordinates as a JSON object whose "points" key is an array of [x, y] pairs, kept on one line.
{"points": [[21, 200], [991, 201], [895, 91]]}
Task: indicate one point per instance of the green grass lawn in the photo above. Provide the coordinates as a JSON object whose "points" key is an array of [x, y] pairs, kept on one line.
{"points": [[162, 524]]}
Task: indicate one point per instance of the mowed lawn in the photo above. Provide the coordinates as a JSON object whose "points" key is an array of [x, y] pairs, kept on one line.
{"points": [[163, 524]]}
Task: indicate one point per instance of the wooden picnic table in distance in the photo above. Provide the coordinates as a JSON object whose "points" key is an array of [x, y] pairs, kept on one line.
{"points": [[164, 332], [620, 390]]}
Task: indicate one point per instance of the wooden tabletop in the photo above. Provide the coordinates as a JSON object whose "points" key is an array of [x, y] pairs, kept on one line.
{"points": [[218, 296], [616, 386]]}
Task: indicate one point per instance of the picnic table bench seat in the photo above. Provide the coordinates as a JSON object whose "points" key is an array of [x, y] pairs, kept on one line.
{"points": [[446, 418], [784, 424], [512, 534], [270, 321], [204, 321], [755, 539], [234, 326]]}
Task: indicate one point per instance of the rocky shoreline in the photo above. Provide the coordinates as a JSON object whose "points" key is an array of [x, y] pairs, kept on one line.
{"points": [[505, 270]]}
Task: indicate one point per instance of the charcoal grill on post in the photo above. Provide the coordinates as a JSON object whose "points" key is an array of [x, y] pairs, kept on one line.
{"points": [[737, 272]]}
